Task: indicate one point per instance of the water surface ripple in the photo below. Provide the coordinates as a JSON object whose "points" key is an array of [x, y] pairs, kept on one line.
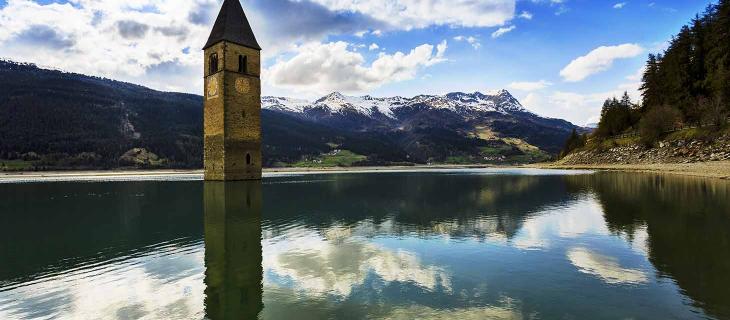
{"points": [[470, 244]]}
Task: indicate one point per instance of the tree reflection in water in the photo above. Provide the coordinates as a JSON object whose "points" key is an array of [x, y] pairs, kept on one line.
{"points": [[688, 224]]}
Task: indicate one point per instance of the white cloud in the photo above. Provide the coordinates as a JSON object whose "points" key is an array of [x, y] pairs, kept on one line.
{"points": [[413, 14], [578, 108], [127, 40], [619, 5], [374, 46], [559, 4], [530, 86], [283, 24], [502, 31], [598, 60], [144, 41], [526, 15], [473, 41], [638, 75], [322, 68]]}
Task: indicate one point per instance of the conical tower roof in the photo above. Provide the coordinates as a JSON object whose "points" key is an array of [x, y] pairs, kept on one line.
{"points": [[232, 26]]}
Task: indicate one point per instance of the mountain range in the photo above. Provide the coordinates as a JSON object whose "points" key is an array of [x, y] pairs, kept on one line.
{"points": [[54, 119], [456, 127]]}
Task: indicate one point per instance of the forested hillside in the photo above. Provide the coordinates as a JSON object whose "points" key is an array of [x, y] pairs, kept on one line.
{"points": [[56, 120], [686, 86]]}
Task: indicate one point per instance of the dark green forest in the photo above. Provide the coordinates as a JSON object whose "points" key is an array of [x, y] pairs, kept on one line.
{"points": [[58, 119], [688, 85]]}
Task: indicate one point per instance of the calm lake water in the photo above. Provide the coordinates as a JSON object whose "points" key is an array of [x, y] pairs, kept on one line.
{"points": [[473, 244]]}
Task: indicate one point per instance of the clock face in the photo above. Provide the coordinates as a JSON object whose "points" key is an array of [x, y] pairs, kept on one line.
{"points": [[212, 87], [242, 85]]}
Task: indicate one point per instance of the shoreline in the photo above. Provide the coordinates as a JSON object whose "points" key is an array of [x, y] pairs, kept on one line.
{"points": [[132, 172], [716, 170], [712, 169], [192, 174]]}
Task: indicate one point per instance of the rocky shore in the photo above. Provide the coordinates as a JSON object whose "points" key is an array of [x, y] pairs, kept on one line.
{"points": [[674, 151], [708, 158]]}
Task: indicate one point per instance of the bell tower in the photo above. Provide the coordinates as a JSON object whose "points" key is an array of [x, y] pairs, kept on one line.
{"points": [[232, 98]]}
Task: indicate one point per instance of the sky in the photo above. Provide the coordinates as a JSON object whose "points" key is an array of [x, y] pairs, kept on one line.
{"points": [[560, 58]]}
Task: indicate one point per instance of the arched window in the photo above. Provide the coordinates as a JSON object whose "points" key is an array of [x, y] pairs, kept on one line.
{"points": [[248, 159], [242, 64], [213, 63]]}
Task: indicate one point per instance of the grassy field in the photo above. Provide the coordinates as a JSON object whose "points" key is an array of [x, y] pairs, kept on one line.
{"points": [[337, 158], [15, 165]]}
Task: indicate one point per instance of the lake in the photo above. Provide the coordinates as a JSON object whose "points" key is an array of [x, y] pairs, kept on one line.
{"points": [[448, 244]]}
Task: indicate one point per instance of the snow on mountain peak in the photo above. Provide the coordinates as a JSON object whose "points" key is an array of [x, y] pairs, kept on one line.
{"points": [[500, 101], [334, 97], [284, 104]]}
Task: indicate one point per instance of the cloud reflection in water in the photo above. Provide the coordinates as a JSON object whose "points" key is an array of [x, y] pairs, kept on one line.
{"points": [[332, 263], [606, 268]]}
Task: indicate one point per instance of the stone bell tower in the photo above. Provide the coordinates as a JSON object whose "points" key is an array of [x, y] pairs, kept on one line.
{"points": [[232, 97]]}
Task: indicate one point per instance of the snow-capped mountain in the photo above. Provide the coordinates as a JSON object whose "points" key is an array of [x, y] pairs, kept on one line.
{"points": [[501, 101], [431, 126]]}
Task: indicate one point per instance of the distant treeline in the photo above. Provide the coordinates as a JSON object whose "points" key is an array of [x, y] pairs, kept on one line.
{"points": [[687, 85]]}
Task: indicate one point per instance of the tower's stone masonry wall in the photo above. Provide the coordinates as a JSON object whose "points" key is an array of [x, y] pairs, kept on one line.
{"points": [[233, 117]]}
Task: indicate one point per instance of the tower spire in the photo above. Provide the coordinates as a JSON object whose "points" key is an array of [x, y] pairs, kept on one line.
{"points": [[232, 26]]}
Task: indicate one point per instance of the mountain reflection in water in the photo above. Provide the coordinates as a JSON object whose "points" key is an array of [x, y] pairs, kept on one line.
{"points": [[467, 244]]}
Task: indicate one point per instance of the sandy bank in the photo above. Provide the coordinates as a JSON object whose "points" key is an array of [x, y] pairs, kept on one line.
{"points": [[714, 169]]}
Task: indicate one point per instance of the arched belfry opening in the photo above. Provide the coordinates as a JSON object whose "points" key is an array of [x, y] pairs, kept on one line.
{"points": [[232, 111]]}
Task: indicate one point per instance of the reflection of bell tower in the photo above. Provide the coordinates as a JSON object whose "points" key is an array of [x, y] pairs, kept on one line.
{"points": [[234, 273], [232, 112]]}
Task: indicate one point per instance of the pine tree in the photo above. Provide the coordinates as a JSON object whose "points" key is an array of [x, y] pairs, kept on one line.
{"points": [[698, 67], [719, 56], [677, 65], [662, 88], [651, 87], [626, 100], [615, 116], [575, 141]]}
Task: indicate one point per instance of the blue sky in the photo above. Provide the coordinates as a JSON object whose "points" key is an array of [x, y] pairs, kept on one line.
{"points": [[561, 58]]}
